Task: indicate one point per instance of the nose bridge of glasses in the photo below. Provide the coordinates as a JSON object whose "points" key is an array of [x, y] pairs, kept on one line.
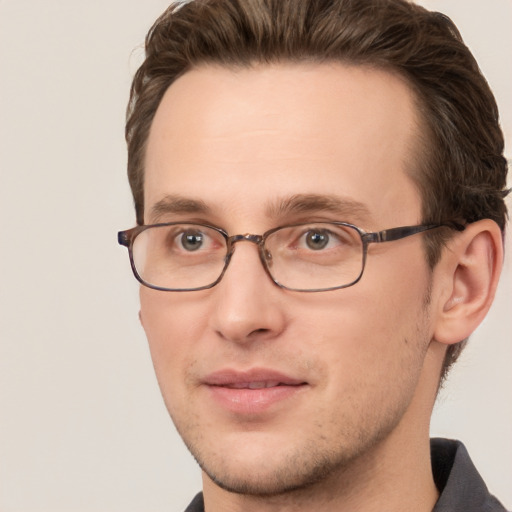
{"points": [[247, 237]]}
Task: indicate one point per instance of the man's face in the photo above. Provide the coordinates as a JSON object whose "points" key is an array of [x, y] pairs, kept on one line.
{"points": [[335, 373]]}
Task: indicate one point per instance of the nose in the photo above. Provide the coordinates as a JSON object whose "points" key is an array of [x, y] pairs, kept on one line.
{"points": [[248, 306]]}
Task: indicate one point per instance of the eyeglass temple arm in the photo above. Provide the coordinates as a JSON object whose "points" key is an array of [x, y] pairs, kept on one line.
{"points": [[388, 235]]}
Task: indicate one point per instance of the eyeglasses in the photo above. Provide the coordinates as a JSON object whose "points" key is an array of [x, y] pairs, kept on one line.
{"points": [[306, 257]]}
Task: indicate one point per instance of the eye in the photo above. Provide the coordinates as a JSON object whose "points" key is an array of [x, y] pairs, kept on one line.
{"points": [[191, 240], [314, 243], [317, 240], [321, 238]]}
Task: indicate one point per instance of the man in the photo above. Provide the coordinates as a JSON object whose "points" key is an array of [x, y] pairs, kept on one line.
{"points": [[319, 194]]}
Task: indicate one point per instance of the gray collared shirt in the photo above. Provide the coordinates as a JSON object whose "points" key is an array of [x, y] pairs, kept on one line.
{"points": [[460, 486]]}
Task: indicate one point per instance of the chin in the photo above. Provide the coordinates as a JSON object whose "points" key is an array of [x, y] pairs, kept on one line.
{"points": [[273, 477], [265, 466]]}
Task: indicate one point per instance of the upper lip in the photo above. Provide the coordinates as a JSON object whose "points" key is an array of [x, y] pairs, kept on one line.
{"points": [[253, 378]]}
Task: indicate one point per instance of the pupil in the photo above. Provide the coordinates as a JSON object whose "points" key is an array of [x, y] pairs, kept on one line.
{"points": [[316, 240], [191, 242]]}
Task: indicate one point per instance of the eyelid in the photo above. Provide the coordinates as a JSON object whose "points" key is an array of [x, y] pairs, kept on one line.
{"points": [[209, 238]]}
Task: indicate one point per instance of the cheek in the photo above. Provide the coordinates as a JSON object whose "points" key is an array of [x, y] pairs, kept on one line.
{"points": [[379, 354], [376, 328], [394, 288], [172, 327]]}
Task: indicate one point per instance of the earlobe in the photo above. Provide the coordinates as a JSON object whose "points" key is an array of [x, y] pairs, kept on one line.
{"points": [[471, 265]]}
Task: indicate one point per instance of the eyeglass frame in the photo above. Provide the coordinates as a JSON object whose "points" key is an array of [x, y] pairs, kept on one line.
{"points": [[126, 238]]}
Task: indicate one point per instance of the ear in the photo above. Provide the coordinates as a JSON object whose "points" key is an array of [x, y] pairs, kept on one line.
{"points": [[469, 269]]}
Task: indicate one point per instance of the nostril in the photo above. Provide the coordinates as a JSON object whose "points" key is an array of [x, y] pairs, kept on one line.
{"points": [[257, 332]]}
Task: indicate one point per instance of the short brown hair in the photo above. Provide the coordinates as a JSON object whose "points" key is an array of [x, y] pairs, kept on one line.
{"points": [[461, 171]]}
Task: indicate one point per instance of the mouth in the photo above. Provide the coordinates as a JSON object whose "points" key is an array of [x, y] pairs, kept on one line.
{"points": [[254, 391], [257, 385]]}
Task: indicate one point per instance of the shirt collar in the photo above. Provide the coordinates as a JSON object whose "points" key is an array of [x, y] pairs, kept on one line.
{"points": [[460, 486]]}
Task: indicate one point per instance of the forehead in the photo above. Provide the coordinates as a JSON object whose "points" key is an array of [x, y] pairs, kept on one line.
{"points": [[263, 134]]}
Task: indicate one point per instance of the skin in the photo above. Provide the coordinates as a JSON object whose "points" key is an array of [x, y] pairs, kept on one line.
{"points": [[355, 435]]}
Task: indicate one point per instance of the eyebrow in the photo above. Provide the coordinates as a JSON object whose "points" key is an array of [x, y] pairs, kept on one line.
{"points": [[175, 204], [345, 208]]}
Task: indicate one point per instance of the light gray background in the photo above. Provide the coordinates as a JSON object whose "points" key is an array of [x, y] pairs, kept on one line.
{"points": [[82, 424]]}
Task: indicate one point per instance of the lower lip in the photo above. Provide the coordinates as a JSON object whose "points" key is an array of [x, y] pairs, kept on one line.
{"points": [[253, 401]]}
